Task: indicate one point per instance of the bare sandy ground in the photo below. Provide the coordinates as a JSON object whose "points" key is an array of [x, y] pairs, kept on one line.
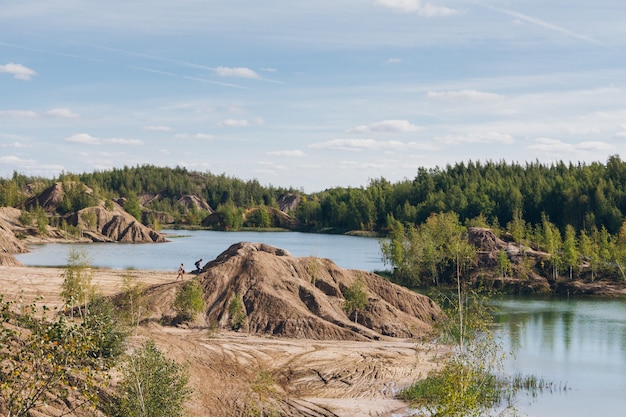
{"points": [[307, 377]]}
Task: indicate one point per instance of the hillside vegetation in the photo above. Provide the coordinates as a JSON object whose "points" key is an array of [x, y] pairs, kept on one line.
{"points": [[574, 213]]}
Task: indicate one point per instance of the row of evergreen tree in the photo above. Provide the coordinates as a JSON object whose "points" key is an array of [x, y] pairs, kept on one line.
{"points": [[584, 196]]}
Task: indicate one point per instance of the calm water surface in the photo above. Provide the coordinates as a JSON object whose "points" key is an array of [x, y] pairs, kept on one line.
{"points": [[188, 246], [578, 343]]}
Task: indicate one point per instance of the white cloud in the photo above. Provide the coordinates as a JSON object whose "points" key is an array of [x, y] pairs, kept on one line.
{"points": [[475, 137], [267, 69], [83, 138], [417, 7], [87, 139], [294, 153], [201, 136], [559, 147], [622, 133], [19, 113], [122, 141], [241, 72], [387, 126], [204, 136], [157, 128], [18, 71], [17, 145], [257, 121], [370, 145], [61, 113], [393, 61], [32, 165], [462, 95]]}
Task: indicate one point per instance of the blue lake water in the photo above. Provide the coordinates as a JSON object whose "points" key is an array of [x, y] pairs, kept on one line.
{"points": [[188, 246], [577, 343]]}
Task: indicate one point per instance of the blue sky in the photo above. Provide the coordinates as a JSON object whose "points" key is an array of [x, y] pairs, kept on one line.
{"points": [[309, 94]]}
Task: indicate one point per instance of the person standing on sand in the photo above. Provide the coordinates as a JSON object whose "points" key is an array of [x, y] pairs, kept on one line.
{"points": [[181, 272]]}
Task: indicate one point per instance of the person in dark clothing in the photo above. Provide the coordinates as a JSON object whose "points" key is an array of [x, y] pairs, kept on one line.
{"points": [[198, 264]]}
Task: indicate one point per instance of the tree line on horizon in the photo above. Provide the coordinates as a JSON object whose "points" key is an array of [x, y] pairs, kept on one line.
{"points": [[583, 196]]}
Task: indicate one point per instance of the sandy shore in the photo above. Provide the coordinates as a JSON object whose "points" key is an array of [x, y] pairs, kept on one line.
{"points": [[342, 378]]}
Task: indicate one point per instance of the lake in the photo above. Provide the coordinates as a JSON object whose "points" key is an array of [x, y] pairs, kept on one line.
{"points": [[578, 343], [188, 246]]}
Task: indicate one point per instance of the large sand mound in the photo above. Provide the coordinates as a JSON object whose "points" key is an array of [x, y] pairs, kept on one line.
{"points": [[304, 297]]}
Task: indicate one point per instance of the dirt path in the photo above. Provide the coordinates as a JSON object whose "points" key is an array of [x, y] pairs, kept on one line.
{"points": [[232, 372]]}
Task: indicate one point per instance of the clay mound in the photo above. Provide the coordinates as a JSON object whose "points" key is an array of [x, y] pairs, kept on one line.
{"points": [[304, 297], [9, 222], [194, 202], [288, 203], [51, 198], [113, 226], [9, 260]]}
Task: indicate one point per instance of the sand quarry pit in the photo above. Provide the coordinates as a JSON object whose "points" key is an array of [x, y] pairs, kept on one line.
{"points": [[238, 373]]}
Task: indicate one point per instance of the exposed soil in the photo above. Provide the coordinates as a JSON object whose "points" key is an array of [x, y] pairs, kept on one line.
{"points": [[235, 372]]}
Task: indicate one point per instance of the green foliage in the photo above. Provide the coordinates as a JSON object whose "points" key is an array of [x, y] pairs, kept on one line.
{"points": [[76, 289], [434, 251], [43, 358], [90, 219], [152, 385], [108, 334], [355, 298], [237, 312], [132, 303], [189, 300], [132, 206], [259, 218], [466, 385]]}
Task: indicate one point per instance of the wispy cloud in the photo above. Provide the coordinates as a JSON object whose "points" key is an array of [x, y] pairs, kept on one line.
{"points": [[543, 24], [30, 114], [157, 128], [241, 72], [18, 71], [358, 145], [288, 153], [87, 139], [19, 114], [257, 121], [387, 126], [621, 134], [559, 147], [462, 95], [417, 7], [200, 136], [61, 113], [487, 137]]}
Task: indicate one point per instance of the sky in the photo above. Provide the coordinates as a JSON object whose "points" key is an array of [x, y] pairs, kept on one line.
{"points": [[310, 95]]}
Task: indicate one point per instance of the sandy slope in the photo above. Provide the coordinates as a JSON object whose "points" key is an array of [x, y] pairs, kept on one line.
{"points": [[307, 377]]}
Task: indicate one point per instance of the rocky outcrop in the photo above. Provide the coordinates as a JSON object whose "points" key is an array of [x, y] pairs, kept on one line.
{"points": [[289, 202], [305, 297], [102, 225], [193, 202], [9, 223]]}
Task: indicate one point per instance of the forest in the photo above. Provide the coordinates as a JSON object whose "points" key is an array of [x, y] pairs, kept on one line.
{"points": [[584, 196]]}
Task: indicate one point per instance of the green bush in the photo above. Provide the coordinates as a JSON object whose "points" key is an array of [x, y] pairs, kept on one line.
{"points": [[189, 300], [152, 385], [237, 313]]}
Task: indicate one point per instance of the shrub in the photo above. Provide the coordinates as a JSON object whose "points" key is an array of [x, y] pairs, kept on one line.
{"points": [[189, 300], [152, 385], [237, 312]]}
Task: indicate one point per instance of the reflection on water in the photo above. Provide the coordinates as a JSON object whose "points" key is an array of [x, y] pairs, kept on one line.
{"points": [[580, 343]]}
